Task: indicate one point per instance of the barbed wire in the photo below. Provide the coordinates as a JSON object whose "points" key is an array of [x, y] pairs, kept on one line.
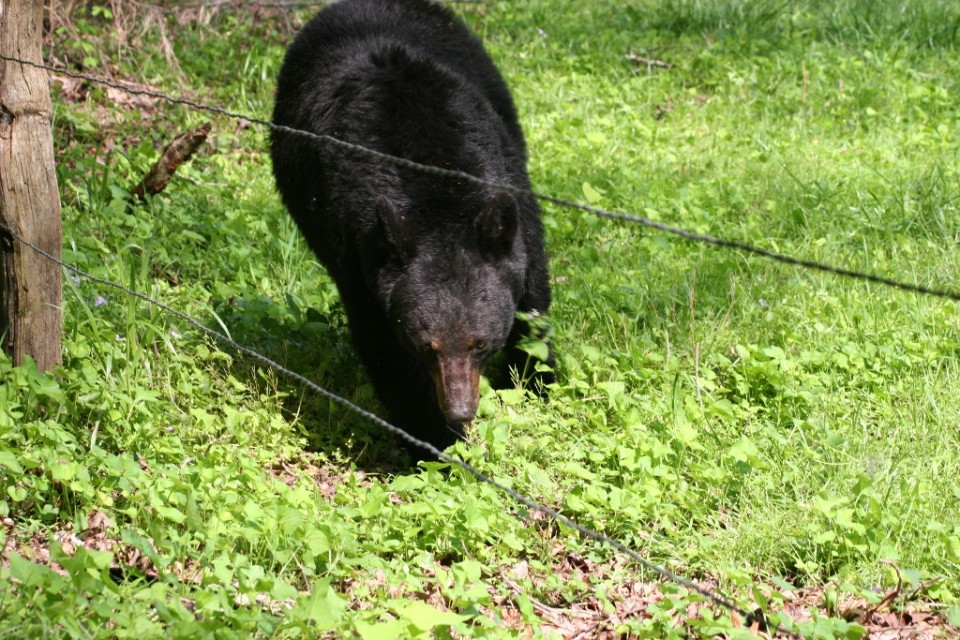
{"points": [[749, 617], [521, 191]]}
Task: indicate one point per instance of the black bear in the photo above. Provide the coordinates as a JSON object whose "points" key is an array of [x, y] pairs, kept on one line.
{"points": [[432, 271]]}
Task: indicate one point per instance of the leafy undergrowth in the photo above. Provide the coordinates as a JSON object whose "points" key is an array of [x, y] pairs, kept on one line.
{"points": [[786, 437]]}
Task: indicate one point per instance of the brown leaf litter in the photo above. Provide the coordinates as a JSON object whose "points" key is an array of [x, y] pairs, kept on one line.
{"points": [[599, 600]]}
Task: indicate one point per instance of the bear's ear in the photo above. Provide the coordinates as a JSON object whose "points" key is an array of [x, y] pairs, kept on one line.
{"points": [[497, 224], [393, 227]]}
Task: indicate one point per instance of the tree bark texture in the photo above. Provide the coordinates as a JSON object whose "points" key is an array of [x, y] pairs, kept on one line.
{"points": [[30, 285]]}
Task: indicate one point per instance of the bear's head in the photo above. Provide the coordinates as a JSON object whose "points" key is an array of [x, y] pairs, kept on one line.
{"points": [[452, 299]]}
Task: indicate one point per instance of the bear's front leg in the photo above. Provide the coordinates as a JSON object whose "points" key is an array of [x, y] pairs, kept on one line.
{"points": [[406, 391], [409, 395]]}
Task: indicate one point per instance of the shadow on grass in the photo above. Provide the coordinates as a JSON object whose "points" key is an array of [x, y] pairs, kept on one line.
{"points": [[317, 346]]}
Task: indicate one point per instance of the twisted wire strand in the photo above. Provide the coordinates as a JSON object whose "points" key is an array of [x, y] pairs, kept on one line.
{"points": [[350, 147], [523, 499]]}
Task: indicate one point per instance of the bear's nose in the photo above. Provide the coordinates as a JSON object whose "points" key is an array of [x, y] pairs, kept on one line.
{"points": [[460, 413], [457, 381]]}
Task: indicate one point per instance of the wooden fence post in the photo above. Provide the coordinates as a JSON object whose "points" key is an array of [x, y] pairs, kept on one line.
{"points": [[30, 285]]}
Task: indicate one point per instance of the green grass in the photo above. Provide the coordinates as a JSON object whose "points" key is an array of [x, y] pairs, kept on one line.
{"points": [[738, 420]]}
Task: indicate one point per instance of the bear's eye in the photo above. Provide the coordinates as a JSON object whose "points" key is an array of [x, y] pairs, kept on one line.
{"points": [[479, 345]]}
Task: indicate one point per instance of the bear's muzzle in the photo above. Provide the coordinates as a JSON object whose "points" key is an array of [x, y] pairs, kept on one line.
{"points": [[457, 379]]}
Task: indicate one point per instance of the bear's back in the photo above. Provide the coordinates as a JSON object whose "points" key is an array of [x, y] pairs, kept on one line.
{"points": [[405, 78], [356, 27]]}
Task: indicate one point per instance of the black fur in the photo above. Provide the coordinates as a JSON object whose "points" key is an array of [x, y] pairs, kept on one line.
{"points": [[431, 271]]}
